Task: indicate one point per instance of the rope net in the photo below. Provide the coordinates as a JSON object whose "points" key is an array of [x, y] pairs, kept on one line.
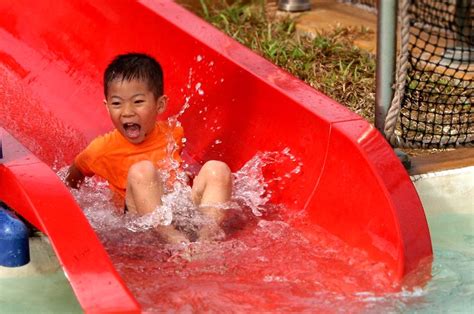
{"points": [[436, 108], [432, 105]]}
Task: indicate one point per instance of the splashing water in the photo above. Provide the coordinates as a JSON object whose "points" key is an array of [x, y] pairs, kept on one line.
{"points": [[263, 264], [251, 188], [289, 268], [250, 185], [270, 265]]}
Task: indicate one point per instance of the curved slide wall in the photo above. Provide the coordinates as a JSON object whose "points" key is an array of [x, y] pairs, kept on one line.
{"points": [[52, 55]]}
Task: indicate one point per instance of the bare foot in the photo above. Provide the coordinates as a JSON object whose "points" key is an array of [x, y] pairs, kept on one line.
{"points": [[171, 235]]}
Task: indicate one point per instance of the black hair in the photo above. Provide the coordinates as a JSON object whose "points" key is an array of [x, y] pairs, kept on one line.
{"points": [[138, 66]]}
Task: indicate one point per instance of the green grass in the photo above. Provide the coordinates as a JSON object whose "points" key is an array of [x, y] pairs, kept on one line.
{"points": [[328, 62]]}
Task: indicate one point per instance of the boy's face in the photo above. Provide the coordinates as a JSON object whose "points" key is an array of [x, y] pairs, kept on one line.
{"points": [[133, 108]]}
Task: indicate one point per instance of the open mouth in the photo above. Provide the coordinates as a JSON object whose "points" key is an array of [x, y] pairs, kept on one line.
{"points": [[132, 130]]}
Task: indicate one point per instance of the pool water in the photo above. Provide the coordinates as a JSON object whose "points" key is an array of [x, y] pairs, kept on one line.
{"points": [[271, 265], [265, 262], [450, 290], [452, 286]]}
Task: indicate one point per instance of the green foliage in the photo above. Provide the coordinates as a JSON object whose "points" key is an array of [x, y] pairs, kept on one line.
{"points": [[328, 62]]}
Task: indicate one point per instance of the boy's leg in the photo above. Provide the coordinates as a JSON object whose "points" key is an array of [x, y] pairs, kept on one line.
{"points": [[144, 188], [143, 196], [211, 187]]}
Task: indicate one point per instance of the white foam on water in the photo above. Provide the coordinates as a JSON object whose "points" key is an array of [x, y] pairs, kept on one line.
{"points": [[249, 191], [274, 256]]}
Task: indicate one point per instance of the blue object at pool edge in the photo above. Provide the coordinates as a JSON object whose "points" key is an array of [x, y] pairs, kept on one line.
{"points": [[14, 245]]}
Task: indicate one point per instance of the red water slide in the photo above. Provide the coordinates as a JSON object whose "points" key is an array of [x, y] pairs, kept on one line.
{"points": [[52, 55]]}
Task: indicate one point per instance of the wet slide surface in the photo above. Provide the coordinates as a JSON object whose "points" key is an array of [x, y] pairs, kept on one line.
{"points": [[351, 192]]}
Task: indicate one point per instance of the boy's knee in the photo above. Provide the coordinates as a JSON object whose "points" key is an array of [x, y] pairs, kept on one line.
{"points": [[143, 171], [217, 171]]}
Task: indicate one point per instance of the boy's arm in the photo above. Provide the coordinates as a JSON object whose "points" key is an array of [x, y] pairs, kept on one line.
{"points": [[74, 177], [83, 163]]}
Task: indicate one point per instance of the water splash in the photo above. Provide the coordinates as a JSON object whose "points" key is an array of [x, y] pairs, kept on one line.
{"points": [[185, 106], [192, 87], [270, 256], [251, 187], [161, 216], [249, 193], [296, 270]]}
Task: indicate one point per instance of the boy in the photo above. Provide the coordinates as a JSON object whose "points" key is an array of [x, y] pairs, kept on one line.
{"points": [[129, 156]]}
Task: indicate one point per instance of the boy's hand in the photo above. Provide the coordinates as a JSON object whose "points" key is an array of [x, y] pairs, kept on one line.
{"points": [[74, 177]]}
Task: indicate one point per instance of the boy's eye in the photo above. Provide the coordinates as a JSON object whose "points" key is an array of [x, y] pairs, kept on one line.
{"points": [[115, 103], [139, 101]]}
